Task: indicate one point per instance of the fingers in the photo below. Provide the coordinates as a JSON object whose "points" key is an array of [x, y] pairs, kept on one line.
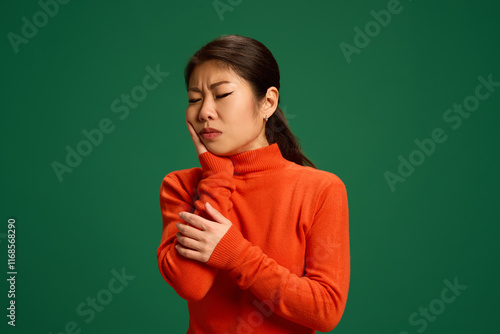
{"points": [[198, 238], [187, 242], [192, 254], [193, 219], [219, 217], [198, 144], [189, 231], [192, 131], [194, 135]]}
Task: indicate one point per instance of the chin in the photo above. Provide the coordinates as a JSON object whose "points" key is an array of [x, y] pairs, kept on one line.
{"points": [[220, 151]]}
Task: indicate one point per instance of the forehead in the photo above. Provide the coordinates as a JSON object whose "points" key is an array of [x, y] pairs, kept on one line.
{"points": [[213, 71]]}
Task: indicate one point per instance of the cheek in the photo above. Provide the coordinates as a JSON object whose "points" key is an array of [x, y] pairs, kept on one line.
{"points": [[190, 114], [245, 114], [240, 119]]}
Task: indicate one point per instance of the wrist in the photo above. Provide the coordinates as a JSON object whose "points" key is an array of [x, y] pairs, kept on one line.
{"points": [[228, 252], [215, 163]]}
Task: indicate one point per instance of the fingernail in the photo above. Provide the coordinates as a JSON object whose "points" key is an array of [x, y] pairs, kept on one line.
{"points": [[208, 205]]}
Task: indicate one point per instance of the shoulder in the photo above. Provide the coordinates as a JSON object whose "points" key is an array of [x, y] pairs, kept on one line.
{"points": [[317, 178], [323, 192], [183, 178]]}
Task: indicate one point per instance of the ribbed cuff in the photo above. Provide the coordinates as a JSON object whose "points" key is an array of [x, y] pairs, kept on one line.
{"points": [[228, 252], [215, 163]]}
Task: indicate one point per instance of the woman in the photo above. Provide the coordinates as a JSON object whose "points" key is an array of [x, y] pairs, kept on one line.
{"points": [[256, 240]]}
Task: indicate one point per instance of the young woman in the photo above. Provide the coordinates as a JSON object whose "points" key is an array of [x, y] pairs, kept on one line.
{"points": [[257, 239]]}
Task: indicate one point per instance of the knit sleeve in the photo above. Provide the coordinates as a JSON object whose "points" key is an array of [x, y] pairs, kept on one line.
{"points": [[317, 299], [192, 279]]}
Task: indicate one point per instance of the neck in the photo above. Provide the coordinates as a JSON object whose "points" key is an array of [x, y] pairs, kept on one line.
{"points": [[264, 159]]}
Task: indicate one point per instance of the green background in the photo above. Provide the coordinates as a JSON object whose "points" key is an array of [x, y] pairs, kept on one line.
{"points": [[353, 119]]}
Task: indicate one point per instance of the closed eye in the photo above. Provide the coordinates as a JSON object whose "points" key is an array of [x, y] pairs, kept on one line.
{"points": [[223, 95], [218, 96]]}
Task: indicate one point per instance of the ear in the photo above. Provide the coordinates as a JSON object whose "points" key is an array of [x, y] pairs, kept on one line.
{"points": [[270, 102]]}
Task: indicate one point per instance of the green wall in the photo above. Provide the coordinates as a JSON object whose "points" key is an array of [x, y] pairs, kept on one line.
{"points": [[420, 218]]}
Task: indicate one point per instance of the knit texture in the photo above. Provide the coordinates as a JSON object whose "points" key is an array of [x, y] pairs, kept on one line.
{"points": [[284, 264]]}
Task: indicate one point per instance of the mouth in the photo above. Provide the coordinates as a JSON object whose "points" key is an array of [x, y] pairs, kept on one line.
{"points": [[210, 135]]}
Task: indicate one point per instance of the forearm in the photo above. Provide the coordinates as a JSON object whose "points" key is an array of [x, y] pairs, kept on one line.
{"points": [[192, 279]]}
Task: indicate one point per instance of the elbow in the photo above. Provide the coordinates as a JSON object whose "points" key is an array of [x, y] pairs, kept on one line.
{"points": [[191, 295], [193, 289], [189, 292], [328, 324], [331, 315]]}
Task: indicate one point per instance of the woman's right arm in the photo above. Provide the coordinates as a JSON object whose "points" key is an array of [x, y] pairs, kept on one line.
{"points": [[192, 279]]}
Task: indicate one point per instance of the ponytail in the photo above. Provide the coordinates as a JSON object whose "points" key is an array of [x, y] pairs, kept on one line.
{"points": [[278, 131]]}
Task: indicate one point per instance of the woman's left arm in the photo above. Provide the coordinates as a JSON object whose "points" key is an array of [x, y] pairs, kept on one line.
{"points": [[316, 300]]}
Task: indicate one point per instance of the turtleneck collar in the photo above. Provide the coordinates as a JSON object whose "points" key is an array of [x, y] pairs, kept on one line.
{"points": [[267, 158]]}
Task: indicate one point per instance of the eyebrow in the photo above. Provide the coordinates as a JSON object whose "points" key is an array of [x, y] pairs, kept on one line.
{"points": [[212, 86]]}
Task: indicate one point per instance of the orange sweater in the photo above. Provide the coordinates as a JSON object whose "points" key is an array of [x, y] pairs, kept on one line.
{"points": [[284, 264]]}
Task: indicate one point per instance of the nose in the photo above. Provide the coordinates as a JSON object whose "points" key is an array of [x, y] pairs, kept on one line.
{"points": [[207, 111]]}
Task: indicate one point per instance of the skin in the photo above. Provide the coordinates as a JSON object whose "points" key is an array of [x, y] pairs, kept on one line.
{"points": [[232, 109]]}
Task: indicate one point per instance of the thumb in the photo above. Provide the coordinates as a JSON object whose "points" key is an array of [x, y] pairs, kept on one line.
{"points": [[217, 215]]}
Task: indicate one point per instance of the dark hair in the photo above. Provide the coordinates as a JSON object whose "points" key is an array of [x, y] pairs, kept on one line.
{"points": [[252, 61]]}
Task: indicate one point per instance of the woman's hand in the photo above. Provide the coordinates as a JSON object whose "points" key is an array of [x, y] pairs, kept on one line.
{"points": [[198, 238], [198, 144]]}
